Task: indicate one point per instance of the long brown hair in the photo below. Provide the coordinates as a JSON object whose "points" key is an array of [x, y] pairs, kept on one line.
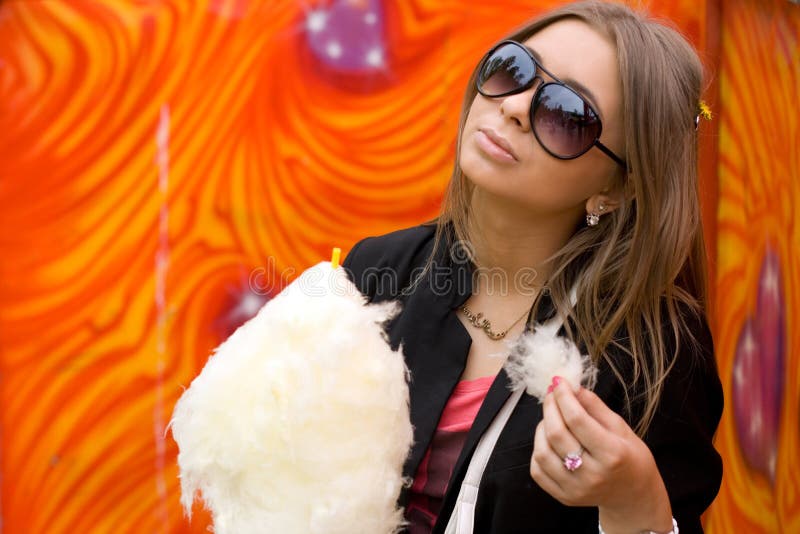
{"points": [[647, 256]]}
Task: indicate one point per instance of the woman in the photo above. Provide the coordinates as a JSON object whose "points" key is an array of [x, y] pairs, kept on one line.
{"points": [[576, 161]]}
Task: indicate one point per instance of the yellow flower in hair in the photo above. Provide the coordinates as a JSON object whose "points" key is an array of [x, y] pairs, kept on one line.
{"points": [[705, 110]]}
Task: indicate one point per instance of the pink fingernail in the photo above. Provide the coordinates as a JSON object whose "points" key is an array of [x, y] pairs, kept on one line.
{"points": [[556, 380], [550, 388]]}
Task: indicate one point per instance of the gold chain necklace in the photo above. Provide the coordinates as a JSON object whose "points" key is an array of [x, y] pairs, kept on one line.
{"points": [[478, 321]]}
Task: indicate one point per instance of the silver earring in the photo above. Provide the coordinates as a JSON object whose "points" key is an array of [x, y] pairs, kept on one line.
{"points": [[592, 219]]}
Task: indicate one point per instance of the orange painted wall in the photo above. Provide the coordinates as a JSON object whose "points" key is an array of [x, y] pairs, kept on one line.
{"points": [[160, 159], [757, 273]]}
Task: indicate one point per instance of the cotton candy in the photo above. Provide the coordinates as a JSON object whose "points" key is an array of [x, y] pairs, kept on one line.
{"points": [[299, 421], [537, 356]]}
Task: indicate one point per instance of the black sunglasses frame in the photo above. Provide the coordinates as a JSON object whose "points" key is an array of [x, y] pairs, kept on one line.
{"points": [[534, 104]]}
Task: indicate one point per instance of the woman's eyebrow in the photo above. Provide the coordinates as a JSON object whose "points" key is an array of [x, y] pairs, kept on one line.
{"points": [[569, 81]]}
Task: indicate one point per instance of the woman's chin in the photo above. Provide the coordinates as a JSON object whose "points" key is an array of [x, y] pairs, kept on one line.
{"points": [[484, 175]]}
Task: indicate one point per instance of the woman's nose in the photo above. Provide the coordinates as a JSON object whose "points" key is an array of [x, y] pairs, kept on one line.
{"points": [[517, 107]]}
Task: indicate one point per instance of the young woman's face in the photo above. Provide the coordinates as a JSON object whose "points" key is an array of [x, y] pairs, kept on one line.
{"points": [[526, 173]]}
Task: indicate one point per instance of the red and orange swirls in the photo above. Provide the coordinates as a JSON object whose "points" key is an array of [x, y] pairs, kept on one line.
{"points": [[165, 168], [756, 273]]}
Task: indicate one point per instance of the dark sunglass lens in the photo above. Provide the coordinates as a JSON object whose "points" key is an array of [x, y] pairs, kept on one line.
{"points": [[563, 121], [507, 69]]}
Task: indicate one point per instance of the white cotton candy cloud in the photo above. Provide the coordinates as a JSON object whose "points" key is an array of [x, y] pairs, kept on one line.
{"points": [[299, 421], [537, 356]]}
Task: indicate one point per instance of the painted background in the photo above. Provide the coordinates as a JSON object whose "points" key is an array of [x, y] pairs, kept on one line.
{"points": [[160, 159]]}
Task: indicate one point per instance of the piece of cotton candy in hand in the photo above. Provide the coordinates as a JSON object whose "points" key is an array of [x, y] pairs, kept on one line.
{"points": [[299, 421], [536, 357]]}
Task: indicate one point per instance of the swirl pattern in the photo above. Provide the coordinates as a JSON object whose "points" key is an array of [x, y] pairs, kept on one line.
{"points": [[756, 275], [167, 167]]}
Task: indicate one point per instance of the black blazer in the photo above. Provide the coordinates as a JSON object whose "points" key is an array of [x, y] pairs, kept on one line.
{"points": [[436, 344]]}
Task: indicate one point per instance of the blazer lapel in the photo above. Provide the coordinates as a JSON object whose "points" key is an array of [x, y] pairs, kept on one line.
{"points": [[435, 345], [498, 394], [436, 350]]}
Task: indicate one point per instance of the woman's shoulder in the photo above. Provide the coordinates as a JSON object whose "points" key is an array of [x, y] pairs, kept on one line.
{"points": [[381, 265]]}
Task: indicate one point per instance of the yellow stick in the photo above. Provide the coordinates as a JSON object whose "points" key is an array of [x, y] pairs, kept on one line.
{"points": [[337, 253]]}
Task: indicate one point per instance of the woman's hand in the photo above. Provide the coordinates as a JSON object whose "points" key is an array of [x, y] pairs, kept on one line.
{"points": [[618, 473]]}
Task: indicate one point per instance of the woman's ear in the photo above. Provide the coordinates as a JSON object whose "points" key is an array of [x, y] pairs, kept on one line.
{"points": [[605, 201], [619, 189]]}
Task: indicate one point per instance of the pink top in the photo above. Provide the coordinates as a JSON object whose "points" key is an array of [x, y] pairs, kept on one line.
{"points": [[433, 473]]}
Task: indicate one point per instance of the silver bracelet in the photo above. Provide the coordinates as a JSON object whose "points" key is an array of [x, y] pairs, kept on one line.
{"points": [[673, 531]]}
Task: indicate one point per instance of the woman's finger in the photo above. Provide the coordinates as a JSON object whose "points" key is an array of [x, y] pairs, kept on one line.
{"points": [[541, 465], [558, 435], [600, 412], [585, 428], [549, 471]]}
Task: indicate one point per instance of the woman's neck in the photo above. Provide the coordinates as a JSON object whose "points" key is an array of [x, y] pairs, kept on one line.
{"points": [[513, 238]]}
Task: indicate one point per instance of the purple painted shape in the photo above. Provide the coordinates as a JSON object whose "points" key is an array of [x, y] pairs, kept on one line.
{"points": [[348, 36], [758, 371], [241, 302]]}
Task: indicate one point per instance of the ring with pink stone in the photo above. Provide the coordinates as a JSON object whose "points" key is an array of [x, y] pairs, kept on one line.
{"points": [[573, 460]]}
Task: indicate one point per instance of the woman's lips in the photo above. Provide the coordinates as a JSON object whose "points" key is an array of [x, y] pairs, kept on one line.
{"points": [[494, 146]]}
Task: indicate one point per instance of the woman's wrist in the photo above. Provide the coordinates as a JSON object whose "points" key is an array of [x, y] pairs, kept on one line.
{"points": [[630, 525], [647, 510], [673, 531]]}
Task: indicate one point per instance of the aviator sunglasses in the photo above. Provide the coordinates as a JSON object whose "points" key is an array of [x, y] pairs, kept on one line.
{"points": [[564, 123]]}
